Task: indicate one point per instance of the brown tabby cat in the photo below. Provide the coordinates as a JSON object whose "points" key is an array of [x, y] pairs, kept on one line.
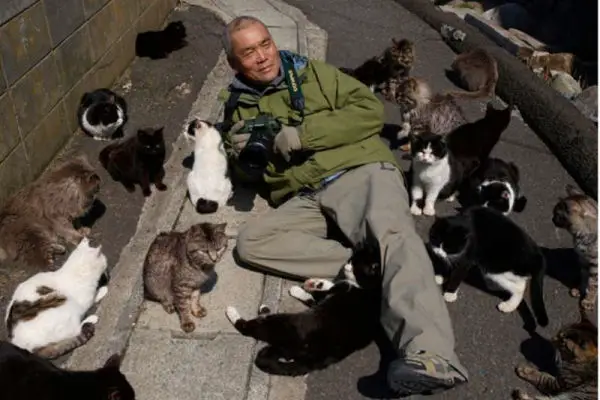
{"points": [[475, 71], [578, 214], [577, 378], [37, 218], [178, 264]]}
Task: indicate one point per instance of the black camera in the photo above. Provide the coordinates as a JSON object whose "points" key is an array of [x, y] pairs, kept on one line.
{"points": [[257, 151]]}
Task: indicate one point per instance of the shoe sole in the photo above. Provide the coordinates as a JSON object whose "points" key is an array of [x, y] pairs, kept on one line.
{"points": [[406, 381]]}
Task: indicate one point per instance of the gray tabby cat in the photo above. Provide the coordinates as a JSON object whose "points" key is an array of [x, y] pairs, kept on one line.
{"points": [[578, 214], [577, 378], [178, 264]]}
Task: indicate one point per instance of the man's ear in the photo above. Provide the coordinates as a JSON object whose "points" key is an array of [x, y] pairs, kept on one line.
{"points": [[231, 60]]}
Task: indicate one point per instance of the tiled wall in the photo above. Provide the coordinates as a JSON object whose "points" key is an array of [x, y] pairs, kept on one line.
{"points": [[51, 52]]}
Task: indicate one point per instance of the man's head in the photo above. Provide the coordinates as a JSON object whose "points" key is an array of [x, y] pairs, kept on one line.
{"points": [[251, 50]]}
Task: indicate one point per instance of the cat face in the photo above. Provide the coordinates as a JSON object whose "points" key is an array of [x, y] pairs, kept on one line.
{"points": [[151, 141], [196, 126], [176, 30], [366, 265], [449, 234], [575, 210], [83, 175], [498, 195], [206, 243], [578, 342], [400, 57], [116, 386], [427, 148], [106, 113]]}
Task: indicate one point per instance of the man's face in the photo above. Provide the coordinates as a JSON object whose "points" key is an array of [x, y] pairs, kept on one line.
{"points": [[255, 54]]}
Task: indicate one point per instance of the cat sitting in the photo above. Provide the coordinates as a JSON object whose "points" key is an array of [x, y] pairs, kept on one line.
{"points": [[342, 318], [46, 311], [36, 221], [159, 44], [577, 365], [25, 376], [506, 255], [208, 183], [578, 215], [178, 264], [396, 61], [139, 159], [102, 114]]}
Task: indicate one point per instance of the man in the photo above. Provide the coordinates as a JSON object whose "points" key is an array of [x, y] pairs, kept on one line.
{"points": [[328, 164]]}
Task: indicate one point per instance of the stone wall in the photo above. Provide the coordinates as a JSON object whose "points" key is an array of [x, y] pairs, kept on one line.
{"points": [[51, 52]]}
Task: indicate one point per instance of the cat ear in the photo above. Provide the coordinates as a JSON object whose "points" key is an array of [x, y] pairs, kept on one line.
{"points": [[159, 131], [113, 361], [572, 190]]}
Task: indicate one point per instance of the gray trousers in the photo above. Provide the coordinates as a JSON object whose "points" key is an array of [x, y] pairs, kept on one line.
{"points": [[291, 241]]}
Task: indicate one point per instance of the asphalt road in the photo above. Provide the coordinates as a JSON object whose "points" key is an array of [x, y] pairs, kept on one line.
{"points": [[489, 343]]}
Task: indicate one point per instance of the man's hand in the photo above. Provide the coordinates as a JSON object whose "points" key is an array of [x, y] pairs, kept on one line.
{"points": [[238, 140], [286, 141]]}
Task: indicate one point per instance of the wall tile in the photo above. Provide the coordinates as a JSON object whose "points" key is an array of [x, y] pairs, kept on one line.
{"points": [[14, 173], [9, 129], [75, 57], [64, 17]]}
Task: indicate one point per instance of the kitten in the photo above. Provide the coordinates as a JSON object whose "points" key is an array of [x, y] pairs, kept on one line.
{"points": [[138, 159], [506, 255], [342, 318], [178, 264], [46, 311], [475, 71], [396, 61], [563, 62], [37, 219], [577, 364], [102, 114], [496, 184], [159, 44], [578, 215], [25, 376], [208, 183]]}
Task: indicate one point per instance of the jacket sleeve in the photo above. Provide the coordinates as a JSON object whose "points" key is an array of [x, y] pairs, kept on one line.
{"points": [[357, 115]]}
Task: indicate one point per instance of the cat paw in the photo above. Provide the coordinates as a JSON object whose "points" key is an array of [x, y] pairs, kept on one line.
{"points": [[101, 293], [88, 330], [58, 248], [161, 186], [169, 308], [415, 210], [439, 279], [300, 294], [188, 326], [450, 297], [232, 315], [525, 371], [146, 192], [91, 319], [199, 312], [518, 394], [264, 309], [429, 210], [85, 230], [317, 285], [507, 306], [575, 292]]}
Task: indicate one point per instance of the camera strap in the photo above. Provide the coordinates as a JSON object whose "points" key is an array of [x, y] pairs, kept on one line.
{"points": [[294, 88]]}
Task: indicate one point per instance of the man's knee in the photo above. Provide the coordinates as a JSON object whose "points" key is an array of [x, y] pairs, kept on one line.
{"points": [[248, 241]]}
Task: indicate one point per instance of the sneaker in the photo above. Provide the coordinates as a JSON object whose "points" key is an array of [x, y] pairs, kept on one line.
{"points": [[422, 373]]}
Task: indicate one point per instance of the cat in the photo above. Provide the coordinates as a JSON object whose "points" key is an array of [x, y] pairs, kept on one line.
{"points": [[342, 318], [102, 114], [577, 365], [138, 159], [208, 183], [159, 44], [506, 255], [475, 71], [25, 376], [564, 62], [37, 220], [495, 183], [578, 215], [396, 61], [178, 264], [45, 313]]}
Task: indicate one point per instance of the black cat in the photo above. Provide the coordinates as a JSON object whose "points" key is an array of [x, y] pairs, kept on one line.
{"points": [[138, 159], [24, 376], [343, 318], [159, 44], [508, 257], [102, 114]]}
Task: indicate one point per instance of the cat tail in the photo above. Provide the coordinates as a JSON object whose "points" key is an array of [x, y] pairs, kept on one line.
{"points": [[205, 206], [536, 291], [273, 361]]}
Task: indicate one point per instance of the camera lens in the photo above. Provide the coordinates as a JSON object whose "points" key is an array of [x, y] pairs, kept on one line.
{"points": [[255, 155]]}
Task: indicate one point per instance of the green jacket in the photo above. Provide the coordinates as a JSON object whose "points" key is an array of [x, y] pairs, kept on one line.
{"points": [[341, 127]]}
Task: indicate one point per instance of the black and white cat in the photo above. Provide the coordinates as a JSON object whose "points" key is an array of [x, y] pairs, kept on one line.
{"points": [[496, 184], [507, 256], [102, 114], [342, 318], [208, 183]]}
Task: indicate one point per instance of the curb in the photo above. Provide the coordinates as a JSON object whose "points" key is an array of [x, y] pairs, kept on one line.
{"points": [[572, 138]]}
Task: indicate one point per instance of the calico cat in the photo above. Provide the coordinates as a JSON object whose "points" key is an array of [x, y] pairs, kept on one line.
{"points": [[578, 215], [25, 376], [178, 264], [46, 311], [38, 220], [396, 61], [102, 114], [475, 71], [577, 364], [496, 184], [208, 183], [342, 318], [138, 159], [506, 255], [159, 44]]}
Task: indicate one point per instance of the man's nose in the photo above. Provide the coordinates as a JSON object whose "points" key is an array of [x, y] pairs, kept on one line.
{"points": [[260, 56]]}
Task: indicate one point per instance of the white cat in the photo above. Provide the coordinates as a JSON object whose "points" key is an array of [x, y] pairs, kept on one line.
{"points": [[208, 183], [46, 311]]}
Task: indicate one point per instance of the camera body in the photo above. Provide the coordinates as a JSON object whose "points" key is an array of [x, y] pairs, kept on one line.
{"points": [[257, 151]]}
